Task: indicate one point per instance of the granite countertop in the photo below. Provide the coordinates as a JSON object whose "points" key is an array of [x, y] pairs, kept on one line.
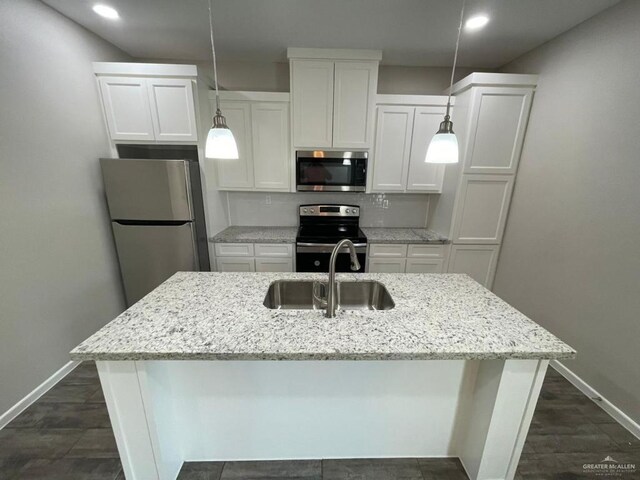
{"points": [[220, 316], [236, 234], [403, 235]]}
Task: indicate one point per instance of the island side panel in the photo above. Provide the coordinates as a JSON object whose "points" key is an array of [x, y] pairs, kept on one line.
{"points": [[132, 422], [499, 415], [267, 410]]}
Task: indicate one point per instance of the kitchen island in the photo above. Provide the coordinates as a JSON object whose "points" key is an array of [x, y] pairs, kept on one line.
{"points": [[201, 370]]}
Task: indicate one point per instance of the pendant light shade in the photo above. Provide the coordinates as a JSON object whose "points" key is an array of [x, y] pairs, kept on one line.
{"points": [[221, 143], [443, 147]]}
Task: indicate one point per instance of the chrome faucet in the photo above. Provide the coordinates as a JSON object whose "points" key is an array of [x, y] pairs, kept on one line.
{"points": [[332, 290]]}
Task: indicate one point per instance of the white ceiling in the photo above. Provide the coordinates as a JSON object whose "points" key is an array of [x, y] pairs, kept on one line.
{"points": [[409, 32]]}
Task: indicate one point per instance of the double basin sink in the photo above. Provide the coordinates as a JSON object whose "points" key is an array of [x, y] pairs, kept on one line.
{"points": [[312, 295]]}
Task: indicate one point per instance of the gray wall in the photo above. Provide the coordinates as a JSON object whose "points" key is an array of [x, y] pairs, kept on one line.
{"points": [[571, 255], [274, 77], [59, 281], [377, 210]]}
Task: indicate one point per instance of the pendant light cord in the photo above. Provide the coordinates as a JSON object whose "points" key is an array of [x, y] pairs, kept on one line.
{"points": [[213, 54], [455, 56]]}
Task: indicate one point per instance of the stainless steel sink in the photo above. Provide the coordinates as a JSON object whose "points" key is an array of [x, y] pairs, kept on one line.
{"points": [[312, 295], [366, 295]]}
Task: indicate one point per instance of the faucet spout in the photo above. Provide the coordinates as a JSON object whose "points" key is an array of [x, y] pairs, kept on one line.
{"points": [[333, 290]]}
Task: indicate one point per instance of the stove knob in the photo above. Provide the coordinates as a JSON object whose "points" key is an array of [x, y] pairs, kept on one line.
{"points": [[304, 210], [347, 211], [312, 210]]}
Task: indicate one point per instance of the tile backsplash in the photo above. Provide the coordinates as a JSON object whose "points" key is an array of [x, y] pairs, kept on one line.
{"points": [[281, 209]]}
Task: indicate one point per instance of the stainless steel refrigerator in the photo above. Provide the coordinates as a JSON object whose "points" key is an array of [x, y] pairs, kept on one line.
{"points": [[157, 218]]}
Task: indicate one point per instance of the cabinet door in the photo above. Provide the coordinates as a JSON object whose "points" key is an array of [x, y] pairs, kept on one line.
{"points": [[274, 265], [387, 250], [234, 249], [387, 265], [424, 177], [126, 107], [393, 143], [284, 250], [477, 261], [424, 265], [237, 174], [355, 86], [270, 134], [481, 211], [172, 109], [499, 119], [312, 102], [235, 264]]}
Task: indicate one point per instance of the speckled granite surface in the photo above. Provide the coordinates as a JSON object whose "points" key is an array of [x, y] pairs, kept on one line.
{"points": [[236, 234], [403, 235], [220, 316]]}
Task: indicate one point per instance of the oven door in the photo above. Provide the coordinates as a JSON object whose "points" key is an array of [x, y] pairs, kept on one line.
{"points": [[315, 257], [332, 172]]}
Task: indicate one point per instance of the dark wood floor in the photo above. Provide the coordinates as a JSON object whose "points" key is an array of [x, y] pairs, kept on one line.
{"points": [[66, 435]]}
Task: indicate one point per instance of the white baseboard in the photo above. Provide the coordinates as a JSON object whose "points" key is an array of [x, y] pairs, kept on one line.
{"points": [[617, 414], [40, 390]]}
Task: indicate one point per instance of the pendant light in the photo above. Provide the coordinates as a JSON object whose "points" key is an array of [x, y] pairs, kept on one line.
{"points": [[444, 144], [220, 141]]}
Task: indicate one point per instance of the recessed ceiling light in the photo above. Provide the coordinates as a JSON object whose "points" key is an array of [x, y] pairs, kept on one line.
{"points": [[106, 11], [474, 23]]}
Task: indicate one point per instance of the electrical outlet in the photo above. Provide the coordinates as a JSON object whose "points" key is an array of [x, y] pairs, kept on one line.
{"points": [[267, 200], [385, 203]]}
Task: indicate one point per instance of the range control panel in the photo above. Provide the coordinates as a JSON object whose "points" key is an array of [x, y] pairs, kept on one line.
{"points": [[329, 211]]}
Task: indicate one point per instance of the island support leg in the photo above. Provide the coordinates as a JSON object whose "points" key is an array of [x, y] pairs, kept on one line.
{"points": [[126, 387], [498, 417]]}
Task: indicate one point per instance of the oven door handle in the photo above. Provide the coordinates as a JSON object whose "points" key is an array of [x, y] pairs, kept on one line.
{"points": [[327, 248]]}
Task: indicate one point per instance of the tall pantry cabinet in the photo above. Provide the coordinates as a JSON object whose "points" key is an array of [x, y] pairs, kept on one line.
{"points": [[490, 120]]}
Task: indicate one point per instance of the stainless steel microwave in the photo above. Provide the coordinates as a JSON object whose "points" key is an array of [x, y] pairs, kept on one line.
{"points": [[331, 171]]}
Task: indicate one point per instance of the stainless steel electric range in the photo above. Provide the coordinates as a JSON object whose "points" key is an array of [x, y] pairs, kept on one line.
{"points": [[321, 228]]}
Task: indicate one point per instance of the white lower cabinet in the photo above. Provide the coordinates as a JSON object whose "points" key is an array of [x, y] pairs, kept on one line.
{"points": [[402, 258], [274, 265], [477, 261], [387, 265], [236, 264], [250, 257], [424, 265]]}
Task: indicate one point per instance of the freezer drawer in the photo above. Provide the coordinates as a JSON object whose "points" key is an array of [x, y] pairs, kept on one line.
{"points": [[149, 254], [154, 190]]}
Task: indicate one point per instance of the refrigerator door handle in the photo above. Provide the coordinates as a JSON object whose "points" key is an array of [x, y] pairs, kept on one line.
{"points": [[161, 223]]}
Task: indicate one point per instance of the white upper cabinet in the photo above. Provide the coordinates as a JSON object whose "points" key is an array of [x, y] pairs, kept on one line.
{"points": [[237, 174], [260, 124], [424, 177], [149, 102], [354, 102], [172, 109], [393, 143], [126, 108], [333, 97], [498, 122], [482, 212], [403, 133], [270, 134], [312, 103]]}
